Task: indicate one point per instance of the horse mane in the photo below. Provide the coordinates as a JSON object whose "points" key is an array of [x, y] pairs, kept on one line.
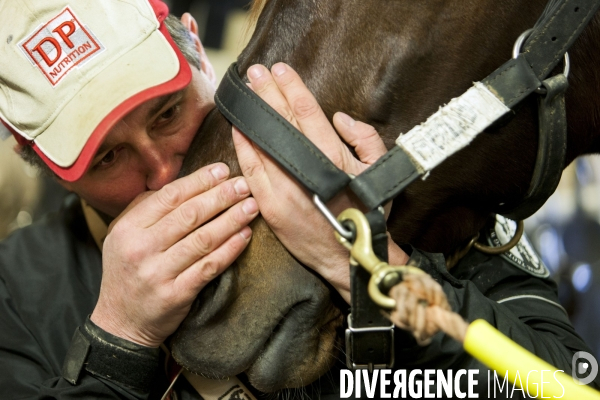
{"points": [[255, 9]]}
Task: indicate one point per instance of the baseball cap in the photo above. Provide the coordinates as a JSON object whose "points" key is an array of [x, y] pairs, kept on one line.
{"points": [[71, 69]]}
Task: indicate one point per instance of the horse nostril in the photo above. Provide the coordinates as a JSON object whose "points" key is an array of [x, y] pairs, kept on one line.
{"points": [[371, 350]]}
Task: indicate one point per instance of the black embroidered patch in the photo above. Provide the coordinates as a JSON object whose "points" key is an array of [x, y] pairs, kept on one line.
{"points": [[522, 256]]}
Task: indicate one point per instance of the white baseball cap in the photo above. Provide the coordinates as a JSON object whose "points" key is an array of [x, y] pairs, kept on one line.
{"points": [[71, 69]]}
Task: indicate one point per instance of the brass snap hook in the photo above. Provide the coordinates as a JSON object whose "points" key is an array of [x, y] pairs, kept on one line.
{"points": [[361, 253]]}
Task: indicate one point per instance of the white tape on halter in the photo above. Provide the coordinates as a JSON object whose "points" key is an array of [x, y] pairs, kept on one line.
{"points": [[452, 127]]}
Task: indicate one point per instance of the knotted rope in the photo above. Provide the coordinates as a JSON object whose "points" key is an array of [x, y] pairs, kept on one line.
{"points": [[422, 308]]}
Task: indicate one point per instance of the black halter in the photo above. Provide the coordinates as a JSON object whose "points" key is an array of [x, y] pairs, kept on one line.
{"points": [[370, 337]]}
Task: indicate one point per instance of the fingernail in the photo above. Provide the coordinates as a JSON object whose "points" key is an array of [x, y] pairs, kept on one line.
{"points": [[255, 71], [241, 187], [346, 119], [279, 69], [219, 172], [250, 207], [246, 232]]}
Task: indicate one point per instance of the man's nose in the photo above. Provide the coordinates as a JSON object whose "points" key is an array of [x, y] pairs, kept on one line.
{"points": [[162, 168]]}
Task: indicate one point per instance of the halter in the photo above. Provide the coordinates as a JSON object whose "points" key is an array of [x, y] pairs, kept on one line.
{"points": [[369, 338]]}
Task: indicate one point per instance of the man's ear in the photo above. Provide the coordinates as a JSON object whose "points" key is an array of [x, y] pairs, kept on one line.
{"points": [[190, 23]]}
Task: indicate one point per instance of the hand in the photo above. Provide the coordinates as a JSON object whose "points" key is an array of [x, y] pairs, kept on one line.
{"points": [[286, 207], [166, 247]]}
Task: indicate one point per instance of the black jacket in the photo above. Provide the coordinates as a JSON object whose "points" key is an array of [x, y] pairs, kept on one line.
{"points": [[50, 277]]}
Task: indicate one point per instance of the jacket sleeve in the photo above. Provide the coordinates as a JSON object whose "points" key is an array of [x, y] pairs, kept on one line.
{"points": [[521, 306], [26, 371]]}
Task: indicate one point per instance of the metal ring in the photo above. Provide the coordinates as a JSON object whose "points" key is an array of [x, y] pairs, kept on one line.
{"points": [[519, 43], [504, 248], [517, 50], [345, 233], [378, 277]]}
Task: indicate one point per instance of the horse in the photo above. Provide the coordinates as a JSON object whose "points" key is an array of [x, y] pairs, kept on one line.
{"points": [[390, 64]]}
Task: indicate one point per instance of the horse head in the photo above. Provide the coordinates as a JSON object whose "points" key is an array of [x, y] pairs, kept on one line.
{"points": [[390, 64], [266, 315]]}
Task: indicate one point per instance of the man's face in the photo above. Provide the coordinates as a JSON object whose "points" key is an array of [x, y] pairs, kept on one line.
{"points": [[145, 150]]}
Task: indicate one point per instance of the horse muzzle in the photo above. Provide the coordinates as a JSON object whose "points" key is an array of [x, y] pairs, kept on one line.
{"points": [[267, 316]]}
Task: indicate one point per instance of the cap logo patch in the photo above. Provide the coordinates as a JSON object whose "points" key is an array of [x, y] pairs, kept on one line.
{"points": [[60, 45]]}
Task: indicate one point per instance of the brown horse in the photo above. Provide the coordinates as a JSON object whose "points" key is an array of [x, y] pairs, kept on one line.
{"points": [[390, 64]]}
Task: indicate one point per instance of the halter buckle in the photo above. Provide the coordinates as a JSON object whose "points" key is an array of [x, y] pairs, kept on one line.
{"points": [[517, 50], [351, 331]]}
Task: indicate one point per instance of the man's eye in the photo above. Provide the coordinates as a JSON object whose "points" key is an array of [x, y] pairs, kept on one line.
{"points": [[108, 158], [167, 115]]}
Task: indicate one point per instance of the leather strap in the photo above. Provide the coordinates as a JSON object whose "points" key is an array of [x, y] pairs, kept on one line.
{"points": [[545, 47], [278, 138], [370, 335], [385, 179], [76, 357], [554, 35], [110, 357], [512, 82], [552, 148]]}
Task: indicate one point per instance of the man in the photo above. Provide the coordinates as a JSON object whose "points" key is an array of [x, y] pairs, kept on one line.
{"points": [[115, 131], [99, 94], [116, 106]]}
